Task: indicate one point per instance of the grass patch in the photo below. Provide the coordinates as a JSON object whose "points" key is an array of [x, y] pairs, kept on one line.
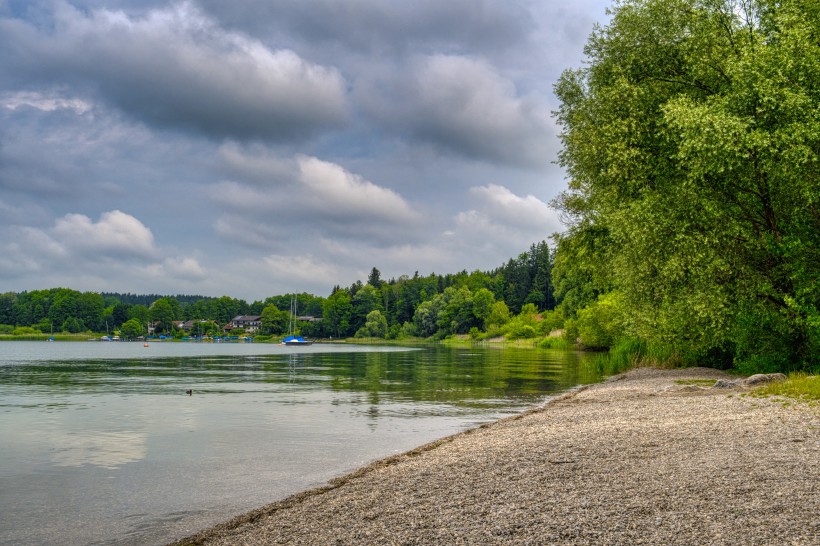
{"points": [[799, 387]]}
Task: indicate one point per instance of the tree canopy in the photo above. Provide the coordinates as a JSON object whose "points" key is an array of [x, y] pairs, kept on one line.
{"points": [[691, 139]]}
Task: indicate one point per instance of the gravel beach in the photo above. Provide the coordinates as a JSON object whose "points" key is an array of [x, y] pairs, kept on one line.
{"points": [[650, 457]]}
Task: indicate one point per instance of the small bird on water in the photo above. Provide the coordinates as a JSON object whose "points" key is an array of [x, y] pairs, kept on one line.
{"points": [[189, 392]]}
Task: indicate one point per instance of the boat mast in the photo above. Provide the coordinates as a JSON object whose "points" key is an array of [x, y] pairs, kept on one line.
{"points": [[292, 313]]}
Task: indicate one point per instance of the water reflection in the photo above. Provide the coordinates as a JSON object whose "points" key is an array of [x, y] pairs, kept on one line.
{"points": [[261, 423], [105, 449]]}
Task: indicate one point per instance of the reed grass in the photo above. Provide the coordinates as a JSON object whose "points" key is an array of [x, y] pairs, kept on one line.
{"points": [[44, 337], [555, 343]]}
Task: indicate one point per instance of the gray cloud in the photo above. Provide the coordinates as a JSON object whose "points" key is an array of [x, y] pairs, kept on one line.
{"points": [[374, 27], [175, 67], [427, 72], [465, 106], [164, 146], [24, 167]]}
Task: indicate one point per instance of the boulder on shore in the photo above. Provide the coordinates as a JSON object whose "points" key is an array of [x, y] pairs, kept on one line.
{"points": [[763, 378], [751, 381]]}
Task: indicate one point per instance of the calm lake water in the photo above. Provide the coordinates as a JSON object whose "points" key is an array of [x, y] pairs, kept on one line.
{"points": [[99, 444]]}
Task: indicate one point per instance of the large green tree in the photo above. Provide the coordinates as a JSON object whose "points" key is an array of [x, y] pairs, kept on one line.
{"points": [[375, 326], [366, 299], [337, 313], [692, 141], [7, 301], [274, 321], [161, 312], [132, 329], [91, 310], [139, 312]]}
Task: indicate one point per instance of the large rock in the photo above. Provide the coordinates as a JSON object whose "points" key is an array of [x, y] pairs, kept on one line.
{"points": [[727, 383], [763, 378], [751, 381]]}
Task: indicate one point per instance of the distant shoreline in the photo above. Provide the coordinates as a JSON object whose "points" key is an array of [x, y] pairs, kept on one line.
{"points": [[652, 457]]}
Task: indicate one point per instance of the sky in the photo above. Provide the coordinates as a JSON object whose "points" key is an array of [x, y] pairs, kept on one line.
{"points": [[261, 147]]}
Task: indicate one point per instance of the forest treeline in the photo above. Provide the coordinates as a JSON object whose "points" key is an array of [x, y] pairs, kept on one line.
{"points": [[419, 306]]}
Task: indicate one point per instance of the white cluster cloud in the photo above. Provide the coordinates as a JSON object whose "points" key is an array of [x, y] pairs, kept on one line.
{"points": [[47, 102], [502, 218], [314, 196], [184, 268], [87, 253], [115, 233], [332, 190], [312, 270], [508, 209]]}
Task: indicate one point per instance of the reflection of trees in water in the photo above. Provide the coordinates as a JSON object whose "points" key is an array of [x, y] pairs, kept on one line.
{"points": [[455, 376], [463, 376]]}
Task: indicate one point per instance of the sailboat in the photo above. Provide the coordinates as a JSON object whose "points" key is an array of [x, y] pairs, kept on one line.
{"points": [[292, 339]]}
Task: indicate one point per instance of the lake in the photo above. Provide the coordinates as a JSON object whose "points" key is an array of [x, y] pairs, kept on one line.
{"points": [[100, 444]]}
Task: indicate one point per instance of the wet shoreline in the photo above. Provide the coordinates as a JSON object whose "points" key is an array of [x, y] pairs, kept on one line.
{"points": [[652, 458]]}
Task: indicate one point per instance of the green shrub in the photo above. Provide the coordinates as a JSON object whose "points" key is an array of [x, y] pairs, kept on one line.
{"points": [[552, 320], [758, 340], [600, 324], [25, 331], [394, 332], [408, 329], [603, 365], [571, 331], [516, 329], [631, 352], [767, 363]]}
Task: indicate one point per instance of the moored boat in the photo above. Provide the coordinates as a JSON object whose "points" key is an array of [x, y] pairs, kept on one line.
{"points": [[296, 340], [293, 339]]}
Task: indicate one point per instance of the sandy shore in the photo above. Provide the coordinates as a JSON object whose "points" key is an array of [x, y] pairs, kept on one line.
{"points": [[646, 459]]}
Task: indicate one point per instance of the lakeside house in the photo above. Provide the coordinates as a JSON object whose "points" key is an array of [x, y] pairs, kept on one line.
{"points": [[249, 323], [190, 325]]}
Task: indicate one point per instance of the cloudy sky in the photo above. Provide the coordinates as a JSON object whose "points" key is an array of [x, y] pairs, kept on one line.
{"points": [[258, 147]]}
